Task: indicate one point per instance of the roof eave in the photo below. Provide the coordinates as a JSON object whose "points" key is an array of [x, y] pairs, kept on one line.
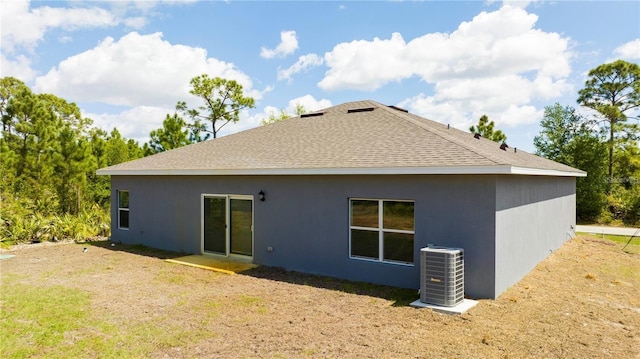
{"points": [[446, 170]]}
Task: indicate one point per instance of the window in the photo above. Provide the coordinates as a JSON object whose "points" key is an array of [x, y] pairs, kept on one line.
{"points": [[382, 230], [123, 209]]}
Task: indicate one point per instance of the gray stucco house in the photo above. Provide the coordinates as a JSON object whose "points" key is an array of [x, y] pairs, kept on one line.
{"points": [[353, 191]]}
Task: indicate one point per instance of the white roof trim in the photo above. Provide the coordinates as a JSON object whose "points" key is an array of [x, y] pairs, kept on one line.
{"points": [[502, 169], [541, 172]]}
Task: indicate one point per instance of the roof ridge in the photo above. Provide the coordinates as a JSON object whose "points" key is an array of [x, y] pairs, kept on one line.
{"points": [[441, 134]]}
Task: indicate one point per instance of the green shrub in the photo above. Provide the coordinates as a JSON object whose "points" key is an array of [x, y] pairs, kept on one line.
{"points": [[21, 222], [623, 205]]}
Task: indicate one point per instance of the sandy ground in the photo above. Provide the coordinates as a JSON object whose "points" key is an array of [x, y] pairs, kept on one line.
{"points": [[581, 302]]}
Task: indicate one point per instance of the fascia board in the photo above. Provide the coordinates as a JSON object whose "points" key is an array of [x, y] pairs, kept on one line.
{"points": [[459, 170]]}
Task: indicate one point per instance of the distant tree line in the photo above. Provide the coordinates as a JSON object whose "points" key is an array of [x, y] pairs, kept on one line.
{"points": [[604, 145], [49, 155]]}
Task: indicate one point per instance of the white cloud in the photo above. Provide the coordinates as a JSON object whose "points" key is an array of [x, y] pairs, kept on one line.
{"points": [[517, 3], [145, 73], [288, 44], [309, 103], [365, 65], [19, 67], [517, 115], [498, 63], [24, 26], [24, 23], [462, 114], [629, 51], [137, 70], [248, 121], [304, 63], [492, 44], [65, 39], [137, 22], [135, 123]]}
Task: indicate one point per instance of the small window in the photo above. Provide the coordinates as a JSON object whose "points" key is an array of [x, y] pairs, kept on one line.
{"points": [[382, 230], [123, 209]]}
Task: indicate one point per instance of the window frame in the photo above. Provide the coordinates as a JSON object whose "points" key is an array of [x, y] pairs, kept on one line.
{"points": [[381, 231], [124, 209]]}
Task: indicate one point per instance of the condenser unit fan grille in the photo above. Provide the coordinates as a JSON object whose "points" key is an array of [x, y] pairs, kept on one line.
{"points": [[442, 276]]}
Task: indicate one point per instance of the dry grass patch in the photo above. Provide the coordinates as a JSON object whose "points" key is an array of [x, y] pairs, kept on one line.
{"points": [[127, 302]]}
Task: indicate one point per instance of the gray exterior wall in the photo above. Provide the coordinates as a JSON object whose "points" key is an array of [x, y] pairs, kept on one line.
{"points": [[535, 215], [306, 221]]}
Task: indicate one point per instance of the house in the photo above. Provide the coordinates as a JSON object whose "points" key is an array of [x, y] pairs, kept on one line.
{"points": [[353, 191]]}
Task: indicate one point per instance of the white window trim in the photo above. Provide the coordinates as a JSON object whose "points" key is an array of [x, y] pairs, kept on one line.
{"points": [[381, 231], [123, 209]]}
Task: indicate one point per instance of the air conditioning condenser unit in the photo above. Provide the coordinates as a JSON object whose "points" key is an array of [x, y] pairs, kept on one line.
{"points": [[442, 276]]}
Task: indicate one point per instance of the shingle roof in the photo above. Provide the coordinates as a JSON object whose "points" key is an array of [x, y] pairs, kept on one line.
{"points": [[362, 137]]}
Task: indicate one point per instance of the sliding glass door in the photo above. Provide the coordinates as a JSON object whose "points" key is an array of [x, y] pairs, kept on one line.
{"points": [[241, 223], [227, 225], [215, 225]]}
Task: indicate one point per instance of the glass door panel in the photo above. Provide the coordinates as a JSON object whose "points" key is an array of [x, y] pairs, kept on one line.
{"points": [[241, 223], [215, 219]]}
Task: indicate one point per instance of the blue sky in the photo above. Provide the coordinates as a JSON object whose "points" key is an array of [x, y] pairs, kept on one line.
{"points": [[127, 63]]}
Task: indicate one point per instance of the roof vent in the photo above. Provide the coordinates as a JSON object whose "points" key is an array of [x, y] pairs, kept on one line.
{"points": [[398, 108], [504, 146], [313, 114], [364, 109], [476, 136]]}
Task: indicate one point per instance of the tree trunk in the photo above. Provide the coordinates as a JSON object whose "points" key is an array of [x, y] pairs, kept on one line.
{"points": [[610, 157]]}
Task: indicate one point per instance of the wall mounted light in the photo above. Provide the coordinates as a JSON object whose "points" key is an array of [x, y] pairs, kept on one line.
{"points": [[261, 196]]}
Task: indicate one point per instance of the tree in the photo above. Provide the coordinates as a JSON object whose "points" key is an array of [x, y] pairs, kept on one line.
{"points": [[45, 152], [627, 164], [284, 115], [170, 136], [119, 149], [559, 127], [9, 88], [613, 90], [31, 143], [223, 100], [49, 155], [486, 129], [100, 185], [566, 137], [71, 163]]}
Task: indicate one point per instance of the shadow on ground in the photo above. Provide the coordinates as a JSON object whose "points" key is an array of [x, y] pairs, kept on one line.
{"points": [[138, 249], [399, 296]]}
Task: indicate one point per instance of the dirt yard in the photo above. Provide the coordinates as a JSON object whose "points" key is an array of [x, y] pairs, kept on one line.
{"points": [[581, 302]]}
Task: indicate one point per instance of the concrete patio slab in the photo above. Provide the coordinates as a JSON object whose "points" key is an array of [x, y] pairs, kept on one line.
{"points": [[222, 265], [461, 308]]}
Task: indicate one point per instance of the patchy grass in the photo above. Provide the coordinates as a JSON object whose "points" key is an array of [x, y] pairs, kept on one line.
{"points": [[121, 301], [59, 322], [614, 238], [36, 320]]}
